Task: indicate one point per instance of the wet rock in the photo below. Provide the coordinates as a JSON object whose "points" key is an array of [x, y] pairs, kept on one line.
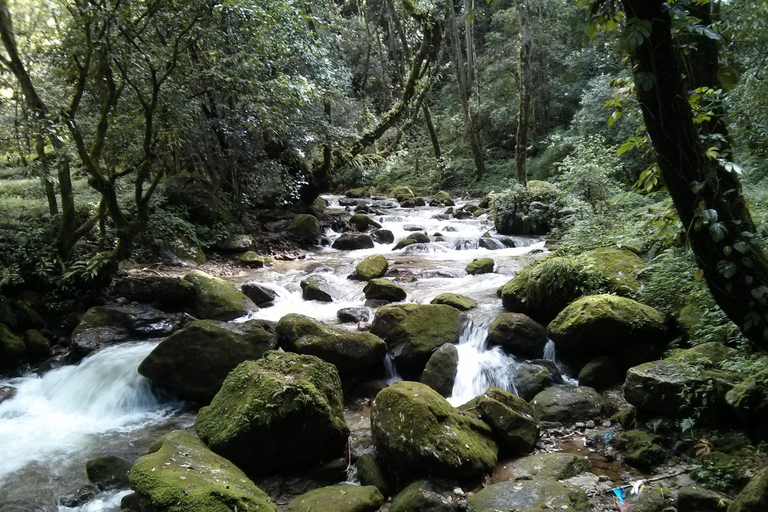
{"points": [[428, 496], [250, 259], [305, 227], [357, 193], [108, 472], [163, 292], [749, 401], [12, 348], [414, 331], [491, 244], [371, 267], [80, 497], [181, 251], [353, 242], [592, 325], [260, 295], [531, 379], [599, 373], [441, 199], [554, 371], [383, 236], [754, 497], [194, 361], [27, 506], [411, 202], [353, 315], [550, 466], [348, 351], [513, 419], [529, 495], [180, 473], [413, 238], [698, 499], [7, 392], [417, 432], [363, 222], [455, 300], [36, 345], [383, 289], [568, 404], [655, 499], [339, 498], [480, 266], [518, 334], [314, 288], [640, 450], [370, 473], [349, 201], [217, 299], [440, 372], [284, 412], [235, 243]]}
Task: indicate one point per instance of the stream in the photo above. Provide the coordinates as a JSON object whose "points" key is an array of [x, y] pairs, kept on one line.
{"points": [[59, 421]]}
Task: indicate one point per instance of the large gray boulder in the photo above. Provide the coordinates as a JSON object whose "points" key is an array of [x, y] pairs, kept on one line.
{"points": [[440, 372], [417, 433], [414, 331], [384, 290], [217, 299], [339, 498], [353, 242], [428, 496], [568, 404], [194, 361], [284, 412], [348, 351], [550, 466], [163, 292], [512, 419], [518, 334], [181, 473], [529, 496]]}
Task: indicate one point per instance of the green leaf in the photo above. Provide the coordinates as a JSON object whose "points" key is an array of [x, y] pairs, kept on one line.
{"points": [[727, 269]]}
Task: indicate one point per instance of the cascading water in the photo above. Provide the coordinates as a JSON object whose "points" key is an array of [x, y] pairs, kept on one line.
{"points": [[549, 351]]}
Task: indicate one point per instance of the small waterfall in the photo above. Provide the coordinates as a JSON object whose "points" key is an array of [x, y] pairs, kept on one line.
{"points": [[480, 367], [549, 351], [390, 372]]}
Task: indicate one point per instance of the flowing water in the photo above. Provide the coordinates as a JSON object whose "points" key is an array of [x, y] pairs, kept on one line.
{"points": [[102, 406]]}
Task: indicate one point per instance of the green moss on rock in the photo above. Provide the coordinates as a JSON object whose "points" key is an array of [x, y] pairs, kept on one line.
{"points": [[305, 227], [529, 496], [217, 299], [754, 497], [383, 289], [12, 347], [480, 266], [518, 334], [362, 222], [371, 267], [550, 466], [460, 302], [640, 450], [512, 418], [182, 475], [749, 400], [427, 496], [338, 498]]}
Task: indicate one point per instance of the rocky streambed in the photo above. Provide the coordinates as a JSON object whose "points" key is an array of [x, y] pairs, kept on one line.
{"points": [[396, 366]]}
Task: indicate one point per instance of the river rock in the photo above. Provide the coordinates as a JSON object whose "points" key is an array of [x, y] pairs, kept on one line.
{"points": [[338, 498], [108, 472], [640, 449], [314, 288], [260, 295], [180, 473], [428, 496], [384, 290], [531, 379], [441, 199], [411, 202], [754, 497], [194, 361], [371, 267], [74, 499], [568, 404], [354, 315], [455, 300], [401, 191], [369, 472], [305, 227], [418, 433], [595, 324], [480, 266], [12, 348], [348, 351], [413, 331], [511, 418], [413, 238], [250, 259], [357, 193], [599, 373], [363, 222], [383, 236], [101, 326], [529, 496], [518, 334], [217, 299], [235, 243], [353, 242], [7, 392], [440, 372], [491, 243], [698, 499], [36, 345], [284, 412], [749, 401], [163, 292]]}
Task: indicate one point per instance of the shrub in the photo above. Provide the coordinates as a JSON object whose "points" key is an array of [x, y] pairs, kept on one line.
{"points": [[533, 210]]}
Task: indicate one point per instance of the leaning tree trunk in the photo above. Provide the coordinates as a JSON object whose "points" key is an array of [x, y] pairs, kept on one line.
{"points": [[708, 198], [523, 116]]}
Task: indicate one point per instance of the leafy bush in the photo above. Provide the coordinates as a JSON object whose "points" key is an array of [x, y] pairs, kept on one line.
{"points": [[533, 210], [590, 172]]}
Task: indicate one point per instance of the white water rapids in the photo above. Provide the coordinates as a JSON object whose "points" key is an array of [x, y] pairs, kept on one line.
{"points": [[102, 406]]}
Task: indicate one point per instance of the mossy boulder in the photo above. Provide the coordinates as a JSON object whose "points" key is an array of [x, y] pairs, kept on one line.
{"points": [[108, 472], [260, 295], [455, 300], [697, 499], [518, 334], [599, 373], [36, 345], [338, 498], [417, 433], [413, 331], [353, 242], [385, 290], [413, 238], [12, 348], [640, 449], [315, 288], [250, 259], [181, 251], [568, 404], [348, 351], [411, 202], [163, 292], [512, 419], [441, 199], [383, 236], [440, 372], [369, 472], [749, 401], [217, 299], [545, 287], [180, 474], [401, 191], [284, 412], [235, 243], [371, 267], [194, 361], [531, 379], [362, 222], [357, 193], [707, 354], [529, 496], [427, 496], [305, 227], [593, 325], [550, 466], [754, 497], [480, 266]]}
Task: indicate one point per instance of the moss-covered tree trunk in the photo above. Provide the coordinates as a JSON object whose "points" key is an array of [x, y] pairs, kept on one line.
{"points": [[708, 197]]}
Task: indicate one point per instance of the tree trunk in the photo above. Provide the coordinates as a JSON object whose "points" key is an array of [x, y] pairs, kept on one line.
{"points": [[707, 197], [432, 132], [523, 116]]}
